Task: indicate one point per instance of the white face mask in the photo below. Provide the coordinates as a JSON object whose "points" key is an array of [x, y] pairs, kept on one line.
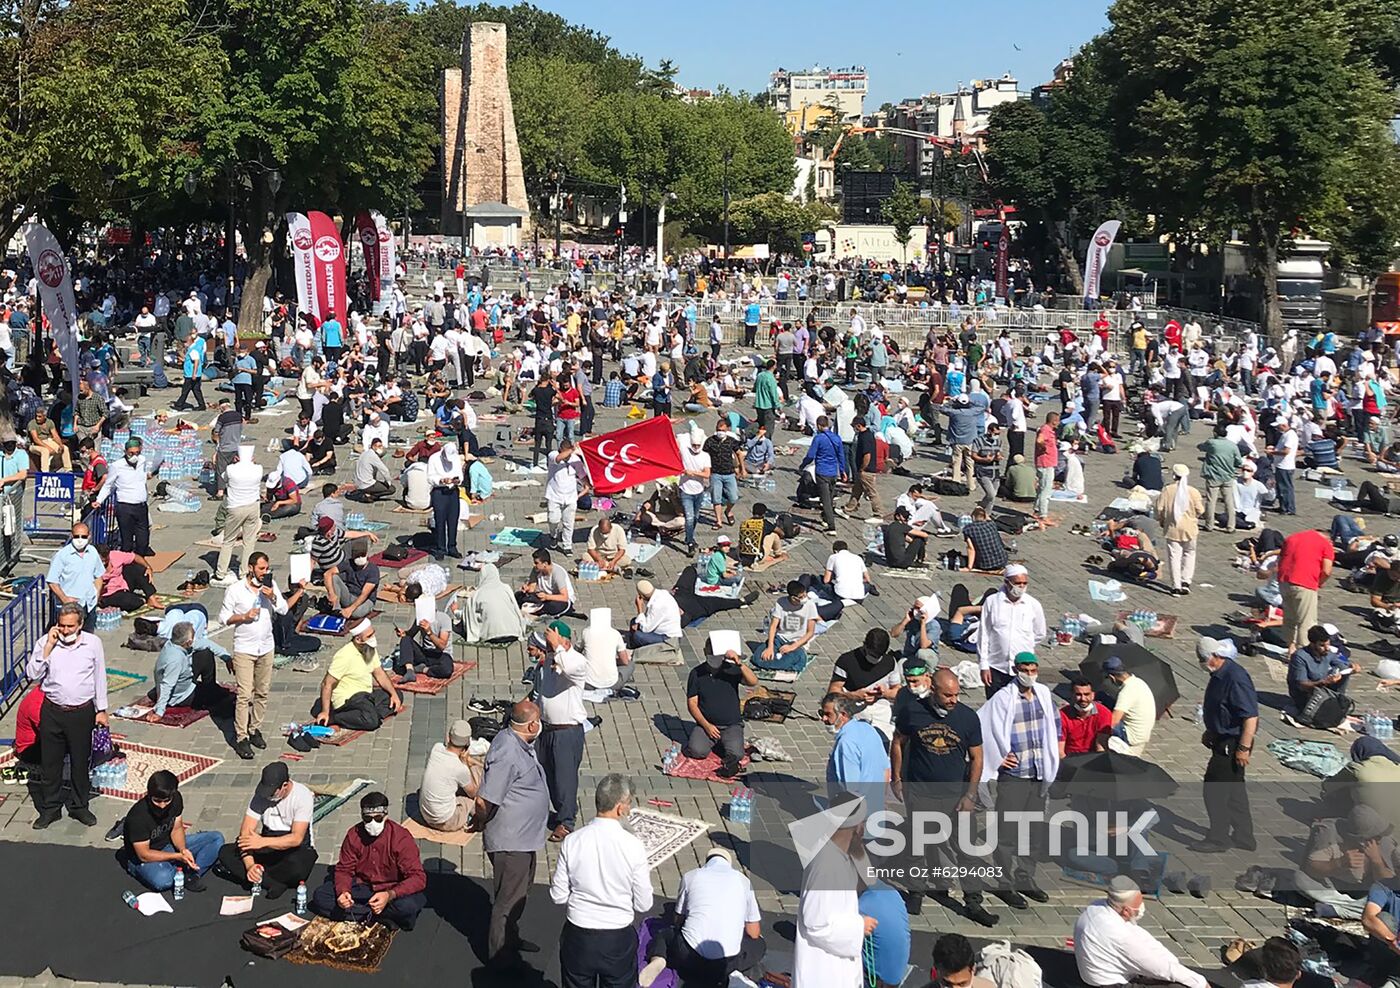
{"points": [[373, 827], [1015, 591], [69, 639], [920, 691], [361, 560], [832, 728], [80, 542], [1085, 708], [1026, 680], [132, 458], [370, 644], [940, 711]]}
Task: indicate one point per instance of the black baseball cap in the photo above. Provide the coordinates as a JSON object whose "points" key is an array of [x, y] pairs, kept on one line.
{"points": [[274, 777]]}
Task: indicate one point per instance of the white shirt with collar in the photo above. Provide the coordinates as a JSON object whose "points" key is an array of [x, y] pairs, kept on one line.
{"points": [[1111, 951], [253, 637], [716, 900], [128, 480], [602, 878], [562, 486], [661, 614], [561, 688], [1008, 628]]}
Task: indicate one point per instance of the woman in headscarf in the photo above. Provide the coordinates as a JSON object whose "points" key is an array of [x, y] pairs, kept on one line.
{"points": [[1178, 507], [492, 614]]}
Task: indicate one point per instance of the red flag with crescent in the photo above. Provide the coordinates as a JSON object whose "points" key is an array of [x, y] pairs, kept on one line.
{"points": [[632, 456]]}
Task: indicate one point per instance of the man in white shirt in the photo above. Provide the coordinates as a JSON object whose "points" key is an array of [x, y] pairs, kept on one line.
{"points": [[716, 929], [126, 478], [1284, 452], [610, 665], [658, 616], [242, 515], [444, 477], [846, 573], [694, 482], [450, 782], [249, 606], [1012, 622], [1134, 710], [561, 494], [1110, 948], [603, 881], [275, 847], [562, 674]]}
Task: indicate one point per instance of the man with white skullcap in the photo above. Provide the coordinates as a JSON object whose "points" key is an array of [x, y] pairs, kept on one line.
{"points": [[1111, 948], [349, 697], [1012, 622], [1178, 507]]}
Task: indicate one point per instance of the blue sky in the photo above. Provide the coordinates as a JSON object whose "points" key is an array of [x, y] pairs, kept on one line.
{"points": [[907, 48]]}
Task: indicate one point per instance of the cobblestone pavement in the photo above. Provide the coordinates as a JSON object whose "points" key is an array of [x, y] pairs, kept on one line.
{"points": [[631, 737]]}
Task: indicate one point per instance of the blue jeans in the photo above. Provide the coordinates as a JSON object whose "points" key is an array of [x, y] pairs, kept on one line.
{"points": [[641, 639], [564, 429], [724, 488], [1283, 485], [794, 661], [159, 876], [690, 504]]}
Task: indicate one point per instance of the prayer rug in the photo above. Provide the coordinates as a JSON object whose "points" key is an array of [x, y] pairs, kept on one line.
{"points": [[663, 835], [923, 573], [143, 761], [429, 686], [162, 561], [393, 593], [399, 509], [517, 537], [705, 769], [175, 716], [120, 679], [413, 556], [326, 800], [660, 654], [349, 946], [1164, 628], [458, 838], [341, 737]]}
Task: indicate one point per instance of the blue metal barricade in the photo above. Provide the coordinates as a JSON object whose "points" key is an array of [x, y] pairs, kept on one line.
{"points": [[22, 623]]}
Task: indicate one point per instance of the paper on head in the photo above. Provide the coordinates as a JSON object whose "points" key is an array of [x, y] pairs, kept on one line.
{"points": [[724, 641], [425, 608], [298, 567]]}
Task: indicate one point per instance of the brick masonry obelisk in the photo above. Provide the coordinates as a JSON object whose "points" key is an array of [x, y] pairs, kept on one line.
{"points": [[479, 124]]}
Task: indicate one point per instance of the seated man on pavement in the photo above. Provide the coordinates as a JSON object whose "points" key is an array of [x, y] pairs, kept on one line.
{"points": [[352, 588], [1110, 948], [1319, 665], [791, 626], [349, 697], [712, 697], [1343, 859], [185, 675], [379, 876], [273, 848], [549, 591], [716, 929], [905, 545], [610, 665], [607, 546], [427, 644], [154, 841], [451, 779], [281, 497], [658, 616], [1084, 721]]}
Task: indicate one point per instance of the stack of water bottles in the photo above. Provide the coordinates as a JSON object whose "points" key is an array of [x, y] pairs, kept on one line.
{"points": [[354, 519], [741, 805], [1380, 726], [874, 534], [181, 498], [1071, 627], [668, 760], [110, 774], [589, 571], [108, 618], [1144, 619]]}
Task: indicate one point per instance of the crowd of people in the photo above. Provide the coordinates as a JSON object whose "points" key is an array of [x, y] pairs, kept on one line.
{"points": [[850, 405]]}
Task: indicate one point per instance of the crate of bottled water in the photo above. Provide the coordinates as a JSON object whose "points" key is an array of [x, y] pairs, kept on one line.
{"points": [[1380, 726], [1144, 619], [589, 572], [874, 536], [110, 774], [354, 519], [108, 618]]}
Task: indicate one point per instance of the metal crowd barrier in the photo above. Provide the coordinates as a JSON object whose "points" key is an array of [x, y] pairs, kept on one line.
{"points": [[22, 622]]}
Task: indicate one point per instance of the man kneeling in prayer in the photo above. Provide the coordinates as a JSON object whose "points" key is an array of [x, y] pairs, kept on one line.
{"points": [[450, 781], [716, 929], [379, 876], [348, 697]]}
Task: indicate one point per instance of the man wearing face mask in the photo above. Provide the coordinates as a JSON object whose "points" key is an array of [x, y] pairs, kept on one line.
{"points": [[858, 762], [563, 671], [1019, 727], [936, 763], [70, 666], [603, 881], [348, 697], [1110, 948], [14, 471], [126, 478], [1012, 622], [354, 590], [512, 807], [379, 875], [1231, 709], [75, 575], [249, 606]]}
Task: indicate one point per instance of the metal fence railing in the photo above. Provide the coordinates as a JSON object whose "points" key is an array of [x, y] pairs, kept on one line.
{"points": [[22, 622]]}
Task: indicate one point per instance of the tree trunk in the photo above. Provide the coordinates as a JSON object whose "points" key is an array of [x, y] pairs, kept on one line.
{"points": [[1069, 264], [1270, 313], [1370, 286]]}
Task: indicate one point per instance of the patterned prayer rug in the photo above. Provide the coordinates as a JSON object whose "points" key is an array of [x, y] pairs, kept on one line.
{"points": [[143, 761], [705, 769], [120, 679], [348, 946], [175, 716], [327, 799], [1164, 628], [664, 834], [429, 686]]}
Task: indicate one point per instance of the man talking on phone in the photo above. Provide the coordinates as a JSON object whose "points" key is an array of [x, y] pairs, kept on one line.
{"points": [[248, 606]]}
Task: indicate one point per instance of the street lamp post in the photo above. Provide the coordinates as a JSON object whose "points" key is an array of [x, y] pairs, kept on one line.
{"points": [[727, 156], [558, 176]]}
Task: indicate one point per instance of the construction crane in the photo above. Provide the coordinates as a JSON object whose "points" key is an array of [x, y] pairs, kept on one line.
{"points": [[951, 143]]}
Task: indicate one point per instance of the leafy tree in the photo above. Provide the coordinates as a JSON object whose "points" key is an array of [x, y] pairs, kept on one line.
{"points": [[552, 98], [1367, 229], [660, 81], [857, 155], [901, 210]]}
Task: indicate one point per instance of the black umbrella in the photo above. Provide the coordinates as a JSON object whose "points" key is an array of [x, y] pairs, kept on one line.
{"points": [[1153, 671], [1111, 777]]}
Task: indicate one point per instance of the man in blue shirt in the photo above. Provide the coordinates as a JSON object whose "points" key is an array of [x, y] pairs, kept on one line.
{"points": [[887, 960], [828, 456], [1379, 917], [1318, 665], [858, 762], [194, 373], [185, 676], [75, 575], [753, 312], [1231, 710], [332, 339]]}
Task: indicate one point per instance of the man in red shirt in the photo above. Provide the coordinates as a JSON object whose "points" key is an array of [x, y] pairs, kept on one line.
{"points": [[1303, 567], [379, 875], [1083, 721], [1047, 458]]}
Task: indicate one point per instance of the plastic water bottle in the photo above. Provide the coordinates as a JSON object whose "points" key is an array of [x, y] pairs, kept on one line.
{"points": [[189, 577], [301, 898], [1200, 714], [129, 898], [257, 889], [177, 891]]}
